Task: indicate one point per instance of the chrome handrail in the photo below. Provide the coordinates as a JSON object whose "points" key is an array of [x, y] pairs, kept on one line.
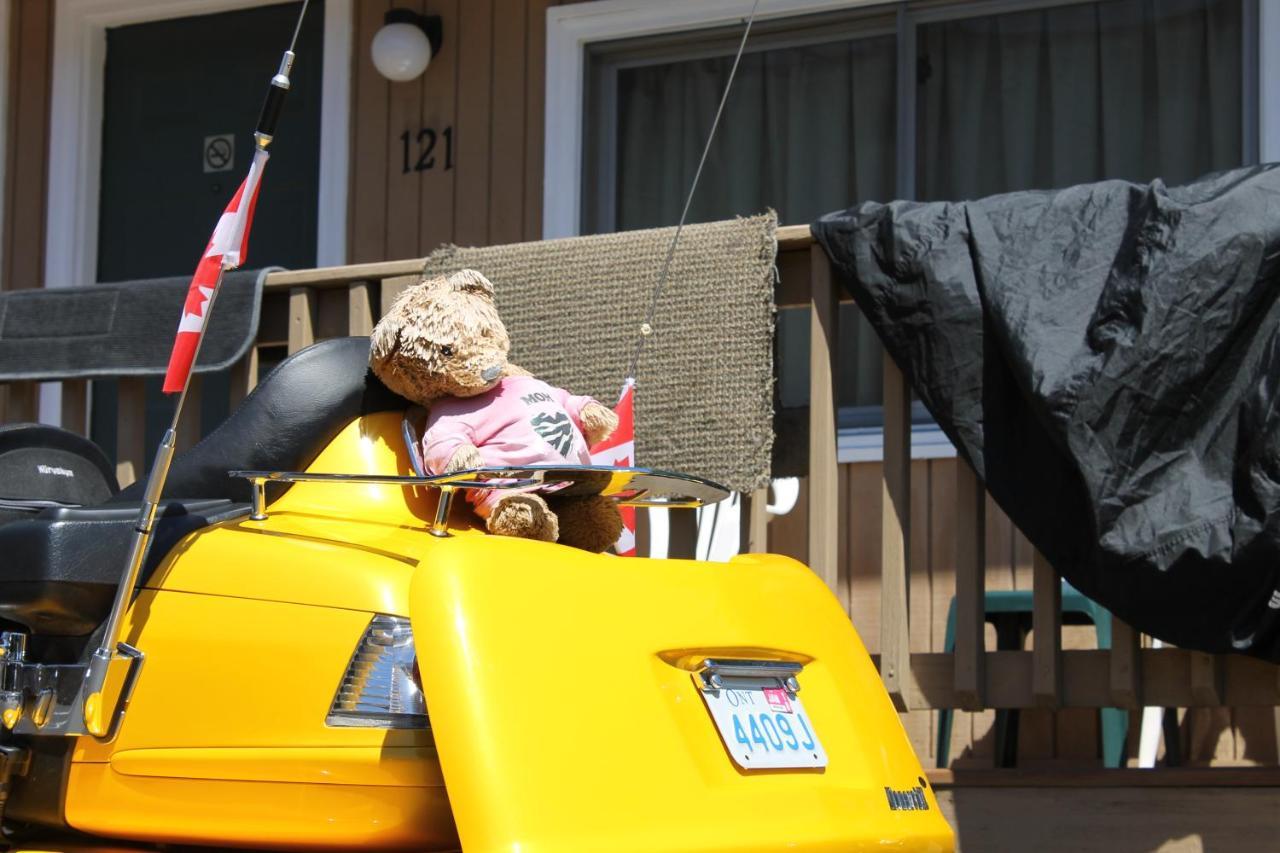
{"points": [[444, 482], [642, 488]]}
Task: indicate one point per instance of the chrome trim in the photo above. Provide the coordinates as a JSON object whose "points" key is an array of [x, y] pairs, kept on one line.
{"points": [[711, 674], [440, 525], [753, 668], [259, 479], [410, 435], [50, 698], [259, 511], [377, 689], [459, 479], [640, 487], [13, 647]]}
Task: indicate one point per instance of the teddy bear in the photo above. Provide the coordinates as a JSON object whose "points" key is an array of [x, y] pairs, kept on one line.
{"points": [[443, 346]]}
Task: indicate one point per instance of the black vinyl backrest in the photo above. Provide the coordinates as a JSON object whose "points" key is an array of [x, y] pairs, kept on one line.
{"points": [[284, 423], [44, 463]]}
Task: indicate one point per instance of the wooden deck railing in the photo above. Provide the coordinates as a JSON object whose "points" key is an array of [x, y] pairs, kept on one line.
{"points": [[301, 307]]}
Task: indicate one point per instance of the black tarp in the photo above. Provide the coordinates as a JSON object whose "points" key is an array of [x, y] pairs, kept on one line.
{"points": [[1107, 358]]}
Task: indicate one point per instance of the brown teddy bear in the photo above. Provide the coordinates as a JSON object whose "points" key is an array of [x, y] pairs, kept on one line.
{"points": [[443, 346]]}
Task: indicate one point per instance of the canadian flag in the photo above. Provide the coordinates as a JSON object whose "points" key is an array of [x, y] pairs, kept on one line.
{"points": [[227, 249], [619, 450]]}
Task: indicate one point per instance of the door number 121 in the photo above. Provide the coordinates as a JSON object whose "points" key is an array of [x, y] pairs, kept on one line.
{"points": [[425, 145]]}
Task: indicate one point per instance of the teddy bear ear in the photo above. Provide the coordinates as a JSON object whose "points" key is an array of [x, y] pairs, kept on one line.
{"points": [[383, 340], [471, 281]]}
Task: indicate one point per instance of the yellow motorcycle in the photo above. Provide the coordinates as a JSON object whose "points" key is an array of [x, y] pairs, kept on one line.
{"points": [[325, 651]]}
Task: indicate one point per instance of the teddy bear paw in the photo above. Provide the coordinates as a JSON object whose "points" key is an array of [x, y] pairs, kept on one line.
{"points": [[591, 522], [526, 516], [598, 422]]}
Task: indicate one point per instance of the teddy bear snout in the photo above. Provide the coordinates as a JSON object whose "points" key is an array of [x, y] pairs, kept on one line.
{"points": [[491, 373]]}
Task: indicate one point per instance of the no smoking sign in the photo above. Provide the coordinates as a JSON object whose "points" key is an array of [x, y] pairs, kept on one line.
{"points": [[220, 152]]}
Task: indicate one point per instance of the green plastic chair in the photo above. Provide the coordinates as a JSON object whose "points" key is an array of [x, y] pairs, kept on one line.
{"points": [[1010, 612]]}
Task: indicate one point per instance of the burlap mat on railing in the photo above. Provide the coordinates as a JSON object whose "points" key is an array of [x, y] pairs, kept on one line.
{"points": [[704, 395]]}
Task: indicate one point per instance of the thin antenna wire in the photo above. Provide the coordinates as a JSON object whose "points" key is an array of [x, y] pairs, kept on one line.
{"points": [[646, 328], [298, 28]]}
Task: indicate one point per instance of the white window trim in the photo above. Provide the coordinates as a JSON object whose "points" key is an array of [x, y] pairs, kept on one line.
{"points": [[75, 125], [571, 28], [1268, 81]]}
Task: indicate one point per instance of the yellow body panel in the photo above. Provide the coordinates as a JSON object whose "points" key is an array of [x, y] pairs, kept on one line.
{"points": [[562, 708], [262, 814], [572, 721]]}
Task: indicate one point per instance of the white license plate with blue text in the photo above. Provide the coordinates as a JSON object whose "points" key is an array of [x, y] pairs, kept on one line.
{"points": [[764, 726]]}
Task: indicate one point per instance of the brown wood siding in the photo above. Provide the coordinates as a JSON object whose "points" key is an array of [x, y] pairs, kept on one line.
{"points": [[1070, 737], [26, 156], [486, 84]]}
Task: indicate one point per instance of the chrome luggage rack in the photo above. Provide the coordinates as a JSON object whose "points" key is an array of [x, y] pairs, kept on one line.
{"points": [[640, 487]]}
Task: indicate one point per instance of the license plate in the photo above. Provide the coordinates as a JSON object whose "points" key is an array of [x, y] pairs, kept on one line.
{"points": [[763, 725]]}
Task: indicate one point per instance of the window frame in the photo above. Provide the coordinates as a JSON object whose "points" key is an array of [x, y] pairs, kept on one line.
{"points": [[606, 59], [574, 31]]}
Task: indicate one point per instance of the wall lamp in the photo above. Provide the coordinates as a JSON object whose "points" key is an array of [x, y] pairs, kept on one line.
{"points": [[403, 48]]}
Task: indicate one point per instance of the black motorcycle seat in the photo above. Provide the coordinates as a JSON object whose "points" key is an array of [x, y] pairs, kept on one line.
{"points": [[42, 466], [284, 423], [60, 569]]}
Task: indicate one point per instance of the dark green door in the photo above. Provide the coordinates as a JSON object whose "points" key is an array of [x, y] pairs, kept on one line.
{"points": [[181, 98]]}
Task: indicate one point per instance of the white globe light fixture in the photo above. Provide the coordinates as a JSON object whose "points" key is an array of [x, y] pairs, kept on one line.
{"points": [[403, 48]]}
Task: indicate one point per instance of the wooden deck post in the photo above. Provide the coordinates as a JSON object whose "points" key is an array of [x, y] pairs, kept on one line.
{"points": [[393, 287], [824, 473], [302, 312], [75, 405], [23, 402], [754, 535], [131, 430], [244, 376], [895, 533], [1046, 622], [189, 426], [971, 567], [1205, 679], [682, 534], [360, 318], [1126, 665]]}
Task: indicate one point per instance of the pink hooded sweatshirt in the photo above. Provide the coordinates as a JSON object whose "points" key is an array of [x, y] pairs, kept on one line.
{"points": [[521, 421]]}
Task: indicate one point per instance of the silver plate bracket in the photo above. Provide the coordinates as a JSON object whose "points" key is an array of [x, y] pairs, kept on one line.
{"points": [[717, 673]]}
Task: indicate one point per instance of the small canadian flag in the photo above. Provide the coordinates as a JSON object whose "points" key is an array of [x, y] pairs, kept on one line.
{"points": [[619, 450], [227, 249]]}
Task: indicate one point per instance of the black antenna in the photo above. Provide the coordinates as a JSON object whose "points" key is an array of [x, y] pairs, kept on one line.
{"points": [[274, 103]]}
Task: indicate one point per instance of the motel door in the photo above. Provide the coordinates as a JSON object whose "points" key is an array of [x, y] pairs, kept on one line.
{"points": [[181, 98]]}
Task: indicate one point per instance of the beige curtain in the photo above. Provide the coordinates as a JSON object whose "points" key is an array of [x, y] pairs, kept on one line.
{"points": [[1134, 89], [806, 130]]}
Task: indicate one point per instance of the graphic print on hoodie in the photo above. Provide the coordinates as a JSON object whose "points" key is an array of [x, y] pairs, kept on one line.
{"points": [[520, 421]]}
